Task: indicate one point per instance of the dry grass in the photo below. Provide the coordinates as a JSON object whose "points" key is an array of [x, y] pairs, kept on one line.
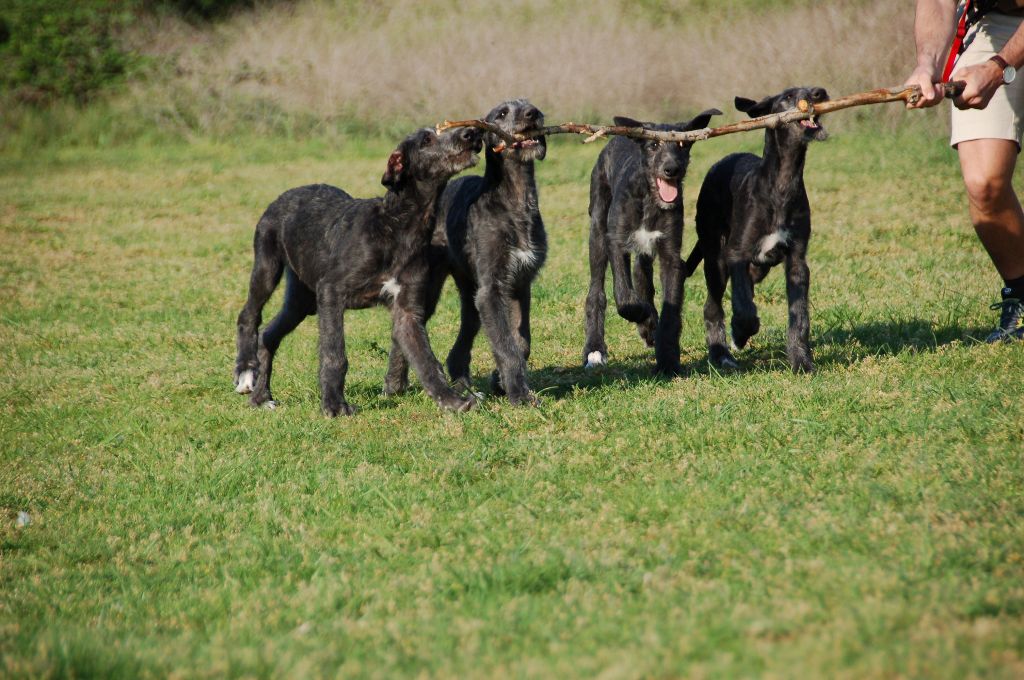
{"points": [[364, 61]]}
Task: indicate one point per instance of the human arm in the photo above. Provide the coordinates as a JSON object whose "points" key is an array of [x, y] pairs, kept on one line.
{"points": [[934, 26], [985, 78]]}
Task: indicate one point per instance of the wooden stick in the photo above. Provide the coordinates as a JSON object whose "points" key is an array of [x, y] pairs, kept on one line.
{"points": [[804, 111]]}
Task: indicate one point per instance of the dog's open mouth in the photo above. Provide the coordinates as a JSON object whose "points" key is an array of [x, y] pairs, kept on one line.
{"points": [[811, 123], [526, 144], [667, 191]]}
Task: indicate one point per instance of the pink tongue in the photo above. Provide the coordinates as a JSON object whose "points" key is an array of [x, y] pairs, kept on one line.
{"points": [[667, 191]]}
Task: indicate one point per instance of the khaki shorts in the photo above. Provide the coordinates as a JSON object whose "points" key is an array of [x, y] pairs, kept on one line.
{"points": [[1003, 118]]}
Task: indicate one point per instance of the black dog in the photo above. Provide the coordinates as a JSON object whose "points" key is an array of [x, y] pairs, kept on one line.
{"points": [[752, 214], [636, 206], [491, 231], [345, 253]]}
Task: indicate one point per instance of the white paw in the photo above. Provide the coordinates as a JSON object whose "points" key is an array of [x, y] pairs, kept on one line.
{"points": [[269, 405], [594, 359], [246, 381]]}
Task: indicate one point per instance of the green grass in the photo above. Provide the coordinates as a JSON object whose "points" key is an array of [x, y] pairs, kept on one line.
{"points": [[863, 521]]}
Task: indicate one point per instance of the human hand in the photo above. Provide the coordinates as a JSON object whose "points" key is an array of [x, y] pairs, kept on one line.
{"points": [[982, 82], [931, 94]]}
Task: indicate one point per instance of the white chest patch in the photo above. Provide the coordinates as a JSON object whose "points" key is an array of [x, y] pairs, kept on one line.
{"points": [[523, 258], [778, 238], [390, 288], [642, 241]]}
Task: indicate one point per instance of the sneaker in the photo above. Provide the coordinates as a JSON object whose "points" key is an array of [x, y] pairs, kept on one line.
{"points": [[1011, 319]]}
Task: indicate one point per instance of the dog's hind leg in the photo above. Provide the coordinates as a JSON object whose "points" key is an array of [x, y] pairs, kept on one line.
{"points": [[299, 302], [798, 281], [643, 286], [595, 351], [714, 314], [461, 353], [268, 264], [330, 304]]}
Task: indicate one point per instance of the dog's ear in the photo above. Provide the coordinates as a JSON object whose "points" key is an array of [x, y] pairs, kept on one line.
{"points": [[396, 166], [700, 121], [754, 109], [623, 121]]}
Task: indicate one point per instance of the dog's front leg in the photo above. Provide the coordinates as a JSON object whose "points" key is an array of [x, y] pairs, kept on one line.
{"points": [[493, 306], [643, 287], [798, 283], [410, 335], [396, 380], [333, 361], [745, 322], [595, 351], [666, 337]]}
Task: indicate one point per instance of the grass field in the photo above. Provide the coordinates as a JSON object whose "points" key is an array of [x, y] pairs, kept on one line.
{"points": [[866, 521]]}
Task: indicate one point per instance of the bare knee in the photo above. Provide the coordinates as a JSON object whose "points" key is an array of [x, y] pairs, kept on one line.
{"points": [[987, 192]]}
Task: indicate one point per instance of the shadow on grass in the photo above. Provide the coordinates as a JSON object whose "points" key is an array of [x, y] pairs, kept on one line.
{"points": [[845, 346], [835, 347]]}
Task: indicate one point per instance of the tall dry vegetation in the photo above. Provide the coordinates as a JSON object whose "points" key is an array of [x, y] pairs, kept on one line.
{"points": [[405, 60]]}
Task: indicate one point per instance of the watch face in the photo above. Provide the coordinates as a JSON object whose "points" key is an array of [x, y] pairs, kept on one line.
{"points": [[1009, 74]]}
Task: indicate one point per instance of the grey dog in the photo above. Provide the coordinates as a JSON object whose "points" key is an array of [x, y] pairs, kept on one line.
{"points": [[753, 214], [341, 253], [636, 208], [491, 238]]}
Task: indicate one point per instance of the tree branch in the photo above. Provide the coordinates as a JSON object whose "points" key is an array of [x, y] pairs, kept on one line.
{"points": [[804, 111]]}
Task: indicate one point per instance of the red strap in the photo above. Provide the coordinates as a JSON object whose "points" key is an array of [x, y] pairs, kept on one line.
{"points": [[958, 40]]}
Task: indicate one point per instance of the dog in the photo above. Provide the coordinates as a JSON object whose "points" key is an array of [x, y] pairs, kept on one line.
{"points": [[341, 253], [490, 237], [636, 209], [752, 214]]}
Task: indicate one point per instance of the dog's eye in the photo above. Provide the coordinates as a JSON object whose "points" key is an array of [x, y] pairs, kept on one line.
{"points": [[502, 113], [426, 141]]}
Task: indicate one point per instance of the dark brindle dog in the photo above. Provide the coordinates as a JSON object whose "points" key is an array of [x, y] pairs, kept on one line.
{"points": [[496, 244], [344, 253], [636, 207], [752, 214]]}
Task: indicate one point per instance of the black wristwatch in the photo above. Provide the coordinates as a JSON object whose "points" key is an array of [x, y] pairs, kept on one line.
{"points": [[1009, 72]]}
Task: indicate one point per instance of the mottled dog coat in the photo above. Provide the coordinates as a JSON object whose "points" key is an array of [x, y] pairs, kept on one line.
{"points": [[491, 238], [343, 253], [636, 210], [752, 214]]}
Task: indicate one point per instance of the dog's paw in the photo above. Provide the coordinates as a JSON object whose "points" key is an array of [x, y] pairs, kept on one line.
{"points": [[743, 329], [270, 404], [395, 387], [595, 359], [456, 403], [340, 409], [646, 331], [724, 361], [801, 364], [245, 381], [527, 398], [637, 312], [496, 386], [669, 371]]}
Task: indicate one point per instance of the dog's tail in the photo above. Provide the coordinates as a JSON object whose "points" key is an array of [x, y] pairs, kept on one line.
{"points": [[693, 261]]}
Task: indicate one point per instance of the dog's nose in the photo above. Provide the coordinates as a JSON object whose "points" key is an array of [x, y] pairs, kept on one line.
{"points": [[532, 113], [671, 169], [469, 134], [818, 94]]}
